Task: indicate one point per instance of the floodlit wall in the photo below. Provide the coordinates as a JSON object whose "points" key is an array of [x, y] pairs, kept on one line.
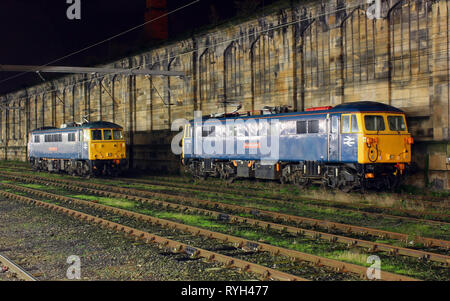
{"points": [[301, 54]]}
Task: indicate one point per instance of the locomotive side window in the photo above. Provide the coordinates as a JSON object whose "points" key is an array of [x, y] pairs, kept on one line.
{"points": [[71, 137], [209, 131], [335, 124], [345, 123], [107, 135], [287, 128], [230, 130], [313, 126], [187, 132], [264, 128], [36, 138], [355, 128], [96, 134], [374, 123], [240, 129], [396, 123], [301, 127], [350, 123], [117, 134], [53, 138]]}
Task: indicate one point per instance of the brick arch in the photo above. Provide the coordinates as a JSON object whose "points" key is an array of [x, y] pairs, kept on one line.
{"points": [[94, 104], [263, 69], [233, 67], [358, 47], [315, 65], [208, 81]]}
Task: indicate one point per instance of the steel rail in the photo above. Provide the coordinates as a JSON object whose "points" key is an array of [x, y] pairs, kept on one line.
{"points": [[445, 204], [284, 202], [20, 272], [107, 190], [295, 256], [173, 245], [372, 246]]}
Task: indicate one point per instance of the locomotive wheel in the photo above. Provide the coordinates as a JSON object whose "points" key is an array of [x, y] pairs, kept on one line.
{"points": [[301, 183], [284, 180]]}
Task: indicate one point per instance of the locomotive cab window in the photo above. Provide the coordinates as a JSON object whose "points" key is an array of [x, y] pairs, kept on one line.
{"points": [[117, 135], [107, 135], [374, 123], [396, 123], [96, 134]]}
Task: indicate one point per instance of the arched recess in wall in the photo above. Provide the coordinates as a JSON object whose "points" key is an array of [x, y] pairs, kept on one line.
{"points": [[263, 69], [299, 61], [409, 39], [316, 64], [94, 100], [358, 34], [68, 104], [409, 53], [1, 124], [20, 112], [107, 108], [78, 104], [58, 97], [233, 74], [41, 110], [118, 95], [33, 113], [207, 77], [177, 89], [159, 112], [12, 120]]}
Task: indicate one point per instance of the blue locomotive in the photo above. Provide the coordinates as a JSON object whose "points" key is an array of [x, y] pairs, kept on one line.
{"points": [[353, 145], [87, 149]]}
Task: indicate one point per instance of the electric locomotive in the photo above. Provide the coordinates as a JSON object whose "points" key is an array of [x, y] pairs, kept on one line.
{"points": [[89, 149], [355, 145]]}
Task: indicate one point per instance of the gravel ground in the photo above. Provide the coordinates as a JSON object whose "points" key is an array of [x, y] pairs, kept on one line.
{"points": [[40, 241]]}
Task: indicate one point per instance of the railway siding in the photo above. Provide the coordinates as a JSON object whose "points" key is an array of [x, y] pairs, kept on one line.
{"points": [[372, 246]]}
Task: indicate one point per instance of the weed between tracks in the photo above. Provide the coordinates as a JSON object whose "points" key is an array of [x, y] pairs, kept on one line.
{"points": [[400, 265]]}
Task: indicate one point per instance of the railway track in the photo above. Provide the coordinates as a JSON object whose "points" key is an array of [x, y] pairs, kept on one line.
{"points": [[316, 235], [138, 195], [250, 186], [15, 269], [362, 209], [169, 244], [294, 256], [249, 190]]}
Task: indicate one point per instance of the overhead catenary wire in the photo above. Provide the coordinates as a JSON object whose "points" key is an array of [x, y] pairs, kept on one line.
{"points": [[101, 42], [230, 40], [187, 52]]}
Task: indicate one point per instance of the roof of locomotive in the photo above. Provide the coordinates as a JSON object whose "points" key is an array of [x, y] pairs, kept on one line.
{"points": [[365, 106], [88, 125], [358, 106]]}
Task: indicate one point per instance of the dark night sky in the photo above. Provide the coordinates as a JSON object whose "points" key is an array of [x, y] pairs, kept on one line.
{"points": [[35, 32]]}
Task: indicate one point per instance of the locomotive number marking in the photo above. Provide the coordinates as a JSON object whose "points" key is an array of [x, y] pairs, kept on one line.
{"points": [[251, 145]]}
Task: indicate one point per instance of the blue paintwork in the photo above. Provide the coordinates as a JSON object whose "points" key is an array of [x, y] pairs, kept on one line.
{"points": [[294, 147], [57, 150]]}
